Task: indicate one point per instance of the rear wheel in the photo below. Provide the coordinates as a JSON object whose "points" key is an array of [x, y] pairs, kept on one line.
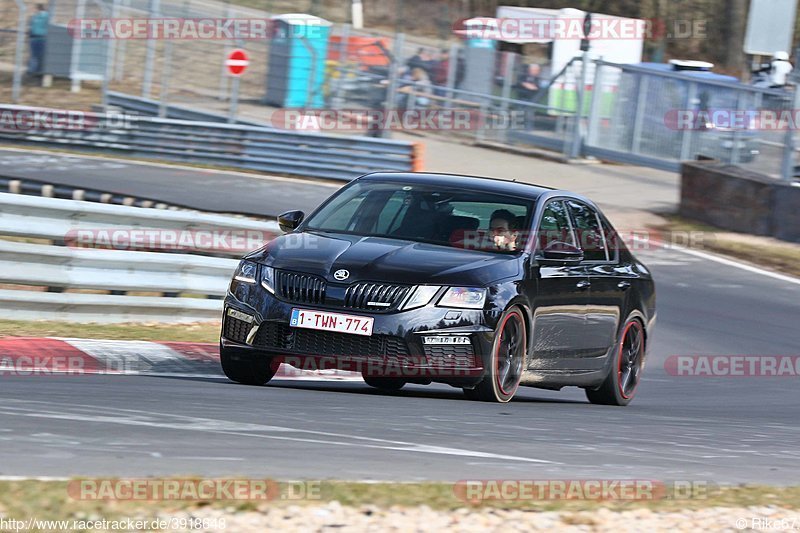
{"points": [[247, 371], [388, 384], [620, 385], [507, 363]]}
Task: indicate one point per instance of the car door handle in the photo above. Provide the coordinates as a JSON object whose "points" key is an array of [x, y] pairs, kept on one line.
{"points": [[624, 285], [583, 285]]}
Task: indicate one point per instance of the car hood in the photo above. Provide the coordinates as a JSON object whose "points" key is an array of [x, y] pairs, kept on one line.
{"points": [[384, 259]]}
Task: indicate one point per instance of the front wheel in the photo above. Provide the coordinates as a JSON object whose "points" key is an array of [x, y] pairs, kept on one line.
{"points": [[620, 385], [246, 371], [507, 363]]}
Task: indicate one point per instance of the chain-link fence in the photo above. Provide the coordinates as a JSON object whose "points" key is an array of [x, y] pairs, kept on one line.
{"points": [[648, 112], [644, 114]]}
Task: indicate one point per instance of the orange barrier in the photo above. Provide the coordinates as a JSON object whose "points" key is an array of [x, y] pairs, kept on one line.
{"points": [[417, 153], [367, 51]]}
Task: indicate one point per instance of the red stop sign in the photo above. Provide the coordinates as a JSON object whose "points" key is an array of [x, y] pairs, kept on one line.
{"points": [[237, 62]]}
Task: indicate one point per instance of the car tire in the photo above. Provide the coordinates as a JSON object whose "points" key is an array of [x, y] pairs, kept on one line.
{"points": [[387, 384], [247, 372], [507, 363], [619, 387]]}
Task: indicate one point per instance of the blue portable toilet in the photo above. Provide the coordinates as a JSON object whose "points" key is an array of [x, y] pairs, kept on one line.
{"points": [[297, 54]]}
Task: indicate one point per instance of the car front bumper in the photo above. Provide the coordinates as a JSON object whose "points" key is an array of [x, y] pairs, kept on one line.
{"points": [[416, 345]]}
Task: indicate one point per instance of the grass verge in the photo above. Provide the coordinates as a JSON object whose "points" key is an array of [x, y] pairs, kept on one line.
{"points": [[50, 500]]}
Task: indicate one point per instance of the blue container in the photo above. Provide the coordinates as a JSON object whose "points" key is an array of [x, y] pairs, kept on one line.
{"points": [[297, 54]]}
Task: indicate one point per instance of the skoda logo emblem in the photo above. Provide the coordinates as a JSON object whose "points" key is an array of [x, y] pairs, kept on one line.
{"points": [[341, 275]]}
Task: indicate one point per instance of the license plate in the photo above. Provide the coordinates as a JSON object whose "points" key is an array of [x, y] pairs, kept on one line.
{"points": [[357, 325]]}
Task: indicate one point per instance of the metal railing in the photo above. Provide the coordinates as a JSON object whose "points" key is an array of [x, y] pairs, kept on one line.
{"points": [[176, 285], [228, 145], [57, 220]]}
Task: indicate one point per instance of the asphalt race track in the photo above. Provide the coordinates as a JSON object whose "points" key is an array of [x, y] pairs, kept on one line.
{"points": [[196, 188], [725, 429]]}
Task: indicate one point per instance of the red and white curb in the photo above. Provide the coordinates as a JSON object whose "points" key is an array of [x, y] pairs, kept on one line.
{"points": [[26, 356]]}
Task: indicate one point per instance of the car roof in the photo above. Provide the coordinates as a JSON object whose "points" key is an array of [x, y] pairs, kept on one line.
{"points": [[480, 183]]}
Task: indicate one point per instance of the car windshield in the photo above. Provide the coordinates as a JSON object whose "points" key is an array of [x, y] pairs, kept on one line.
{"points": [[467, 219]]}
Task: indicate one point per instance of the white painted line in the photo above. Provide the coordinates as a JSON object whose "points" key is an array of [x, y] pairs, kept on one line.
{"points": [[741, 266], [134, 417], [729, 262]]}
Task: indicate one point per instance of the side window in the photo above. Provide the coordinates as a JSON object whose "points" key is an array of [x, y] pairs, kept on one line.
{"points": [[555, 226], [613, 240], [588, 231]]}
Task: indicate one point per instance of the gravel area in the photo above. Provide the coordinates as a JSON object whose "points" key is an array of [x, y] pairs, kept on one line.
{"points": [[335, 517]]}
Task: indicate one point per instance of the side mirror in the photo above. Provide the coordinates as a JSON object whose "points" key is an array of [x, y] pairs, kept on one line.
{"points": [[561, 253], [289, 220]]}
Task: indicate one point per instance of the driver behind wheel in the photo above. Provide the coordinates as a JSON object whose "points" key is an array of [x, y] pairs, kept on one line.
{"points": [[503, 227]]}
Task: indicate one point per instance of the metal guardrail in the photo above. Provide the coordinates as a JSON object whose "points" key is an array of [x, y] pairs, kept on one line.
{"points": [[151, 108], [114, 270], [190, 284], [55, 219], [238, 146], [104, 308]]}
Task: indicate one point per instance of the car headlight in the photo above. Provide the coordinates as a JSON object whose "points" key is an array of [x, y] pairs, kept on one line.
{"points": [[463, 297], [420, 296], [268, 278], [246, 272]]}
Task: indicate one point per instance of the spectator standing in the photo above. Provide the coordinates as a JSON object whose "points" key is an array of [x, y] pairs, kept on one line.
{"points": [[780, 68], [38, 34], [530, 82]]}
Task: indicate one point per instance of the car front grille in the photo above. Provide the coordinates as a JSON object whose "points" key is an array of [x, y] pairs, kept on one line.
{"points": [[300, 288], [278, 336], [236, 330], [451, 355], [375, 296]]}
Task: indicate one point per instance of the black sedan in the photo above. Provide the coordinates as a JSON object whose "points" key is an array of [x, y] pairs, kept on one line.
{"points": [[479, 283]]}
